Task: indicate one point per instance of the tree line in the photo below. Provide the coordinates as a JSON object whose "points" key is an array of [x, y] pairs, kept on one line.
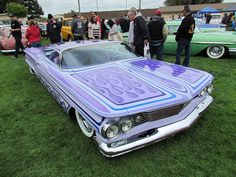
{"points": [[21, 8]]}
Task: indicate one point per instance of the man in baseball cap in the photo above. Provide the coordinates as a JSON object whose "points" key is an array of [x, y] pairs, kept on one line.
{"points": [[158, 33]]}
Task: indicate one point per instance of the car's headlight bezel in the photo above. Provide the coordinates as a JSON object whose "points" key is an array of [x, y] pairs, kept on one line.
{"points": [[132, 120], [123, 125], [210, 88], [202, 92], [108, 126]]}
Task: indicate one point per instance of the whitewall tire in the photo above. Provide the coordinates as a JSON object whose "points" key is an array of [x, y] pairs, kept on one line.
{"points": [[31, 70], [84, 126], [216, 51]]}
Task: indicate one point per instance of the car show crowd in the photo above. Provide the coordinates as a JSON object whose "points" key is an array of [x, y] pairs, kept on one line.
{"points": [[144, 36]]}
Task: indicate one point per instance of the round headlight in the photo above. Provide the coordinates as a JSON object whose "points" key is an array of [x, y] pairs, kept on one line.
{"points": [[210, 88], [202, 92], [139, 119], [112, 131], [126, 125]]}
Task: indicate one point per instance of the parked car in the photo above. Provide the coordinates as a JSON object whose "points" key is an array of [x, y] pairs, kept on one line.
{"points": [[43, 29], [214, 44], [208, 41], [7, 42], [66, 29], [122, 101]]}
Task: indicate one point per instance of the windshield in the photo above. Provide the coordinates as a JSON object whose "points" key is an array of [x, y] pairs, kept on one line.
{"points": [[95, 55]]}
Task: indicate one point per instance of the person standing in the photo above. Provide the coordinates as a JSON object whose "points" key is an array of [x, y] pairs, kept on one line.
{"points": [[158, 33], [141, 33], [224, 19], [16, 33], [208, 18], [94, 31], [104, 29], [54, 30], [78, 28], [184, 36], [114, 32], [131, 35], [33, 34], [98, 20]]}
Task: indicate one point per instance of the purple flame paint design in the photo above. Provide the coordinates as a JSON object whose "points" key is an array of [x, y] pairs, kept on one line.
{"points": [[186, 74], [117, 85]]}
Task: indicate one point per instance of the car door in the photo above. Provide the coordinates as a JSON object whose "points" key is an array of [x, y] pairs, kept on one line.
{"points": [[54, 76]]}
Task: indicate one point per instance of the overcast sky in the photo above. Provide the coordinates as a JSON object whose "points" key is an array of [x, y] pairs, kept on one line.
{"points": [[64, 6]]}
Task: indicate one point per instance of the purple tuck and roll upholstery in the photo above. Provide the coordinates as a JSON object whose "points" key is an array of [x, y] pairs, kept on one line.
{"points": [[169, 97]]}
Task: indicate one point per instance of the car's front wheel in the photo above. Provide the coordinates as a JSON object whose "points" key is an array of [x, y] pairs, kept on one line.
{"points": [[31, 70], [216, 51], [84, 126]]}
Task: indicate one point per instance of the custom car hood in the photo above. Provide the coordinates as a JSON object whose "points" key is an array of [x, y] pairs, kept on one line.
{"points": [[138, 85]]}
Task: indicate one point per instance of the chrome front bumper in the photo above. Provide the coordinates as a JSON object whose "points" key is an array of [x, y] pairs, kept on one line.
{"points": [[7, 51], [160, 133]]}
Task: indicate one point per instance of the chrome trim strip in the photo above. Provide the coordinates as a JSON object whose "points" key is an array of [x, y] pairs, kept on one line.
{"points": [[161, 133], [215, 43], [7, 51], [232, 50]]}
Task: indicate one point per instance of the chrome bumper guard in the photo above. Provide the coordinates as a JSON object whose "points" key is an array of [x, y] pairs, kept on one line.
{"points": [[161, 133]]}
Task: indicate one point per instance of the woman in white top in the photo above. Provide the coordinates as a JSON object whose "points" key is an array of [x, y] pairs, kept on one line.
{"points": [[94, 29], [114, 33]]}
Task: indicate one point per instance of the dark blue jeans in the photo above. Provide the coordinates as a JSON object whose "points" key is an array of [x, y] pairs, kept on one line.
{"points": [[139, 49], [158, 50], [35, 44], [183, 44], [79, 37], [18, 45]]}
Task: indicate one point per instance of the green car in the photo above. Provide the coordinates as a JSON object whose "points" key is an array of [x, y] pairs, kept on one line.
{"points": [[214, 44]]}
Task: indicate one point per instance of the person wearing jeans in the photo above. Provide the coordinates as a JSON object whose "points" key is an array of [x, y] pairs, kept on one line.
{"points": [[158, 33], [77, 28], [184, 36], [157, 48], [16, 33], [33, 34], [183, 44]]}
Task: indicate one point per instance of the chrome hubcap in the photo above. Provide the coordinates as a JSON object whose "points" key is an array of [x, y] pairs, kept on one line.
{"points": [[86, 126], [215, 51]]}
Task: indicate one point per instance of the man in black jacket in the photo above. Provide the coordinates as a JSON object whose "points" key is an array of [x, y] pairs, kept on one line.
{"points": [[54, 30], [141, 33], [184, 36], [158, 33], [16, 33]]}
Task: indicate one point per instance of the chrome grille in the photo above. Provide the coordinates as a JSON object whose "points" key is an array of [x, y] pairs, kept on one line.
{"points": [[163, 113]]}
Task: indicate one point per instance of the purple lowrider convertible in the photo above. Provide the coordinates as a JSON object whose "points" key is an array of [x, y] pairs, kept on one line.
{"points": [[122, 101]]}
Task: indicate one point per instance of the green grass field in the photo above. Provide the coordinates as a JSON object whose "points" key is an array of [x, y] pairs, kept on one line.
{"points": [[37, 139]]}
